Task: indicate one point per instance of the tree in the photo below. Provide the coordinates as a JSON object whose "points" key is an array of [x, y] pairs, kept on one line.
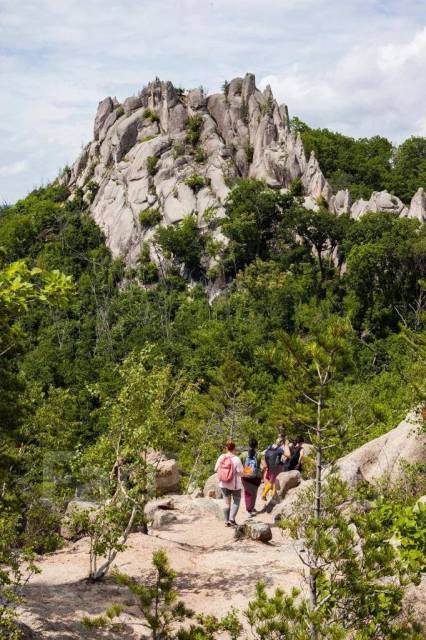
{"points": [[252, 212], [142, 421]]}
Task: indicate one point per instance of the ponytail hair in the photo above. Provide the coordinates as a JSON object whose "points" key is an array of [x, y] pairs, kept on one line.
{"points": [[230, 445]]}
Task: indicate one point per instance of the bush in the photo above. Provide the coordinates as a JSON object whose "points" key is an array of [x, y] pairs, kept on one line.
{"points": [[178, 150], [151, 165], [249, 151], [195, 182], [183, 243], [151, 115], [296, 187], [194, 126], [147, 271], [92, 189], [200, 155], [150, 217], [120, 110]]}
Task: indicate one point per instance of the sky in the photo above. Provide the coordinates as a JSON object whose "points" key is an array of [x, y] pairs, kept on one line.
{"points": [[355, 66]]}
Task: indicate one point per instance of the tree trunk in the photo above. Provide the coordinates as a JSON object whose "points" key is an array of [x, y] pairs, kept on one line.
{"points": [[99, 573]]}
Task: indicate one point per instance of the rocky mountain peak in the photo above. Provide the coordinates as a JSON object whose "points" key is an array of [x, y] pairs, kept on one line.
{"points": [[180, 151]]}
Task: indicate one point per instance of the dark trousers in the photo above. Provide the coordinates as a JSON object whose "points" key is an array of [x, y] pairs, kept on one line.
{"points": [[250, 486]]}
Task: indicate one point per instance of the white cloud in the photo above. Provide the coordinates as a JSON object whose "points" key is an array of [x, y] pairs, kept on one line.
{"points": [[373, 88], [354, 66], [13, 169]]}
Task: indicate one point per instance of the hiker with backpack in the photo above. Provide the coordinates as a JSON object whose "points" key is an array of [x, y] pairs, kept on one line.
{"points": [[274, 464], [252, 475], [297, 455], [229, 469]]}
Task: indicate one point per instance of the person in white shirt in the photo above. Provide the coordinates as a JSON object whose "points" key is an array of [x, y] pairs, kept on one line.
{"points": [[229, 470]]}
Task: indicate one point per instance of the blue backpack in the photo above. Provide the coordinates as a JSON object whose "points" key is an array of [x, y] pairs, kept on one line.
{"points": [[251, 468]]}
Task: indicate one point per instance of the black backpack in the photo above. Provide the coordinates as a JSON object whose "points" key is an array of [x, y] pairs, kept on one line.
{"points": [[272, 459], [294, 460]]}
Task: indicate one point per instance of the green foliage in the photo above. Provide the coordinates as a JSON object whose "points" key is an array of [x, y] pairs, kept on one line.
{"points": [[150, 217], [194, 125], [178, 150], [119, 110], [296, 187], [200, 155], [147, 271], [225, 88], [195, 182], [367, 164], [183, 243], [151, 165], [249, 151], [252, 211], [151, 115]]}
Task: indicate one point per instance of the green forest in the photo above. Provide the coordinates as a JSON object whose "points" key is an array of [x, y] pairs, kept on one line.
{"points": [[97, 357]]}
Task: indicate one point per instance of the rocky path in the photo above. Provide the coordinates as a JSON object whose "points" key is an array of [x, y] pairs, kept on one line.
{"points": [[215, 572]]}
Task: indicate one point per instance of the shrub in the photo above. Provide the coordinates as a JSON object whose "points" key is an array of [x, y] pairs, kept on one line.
{"points": [[200, 155], [148, 138], [249, 151], [195, 182], [225, 88], [178, 150], [151, 115], [194, 126], [147, 270], [151, 165], [183, 243], [120, 110], [150, 217], [92, 189], [296, 187]]}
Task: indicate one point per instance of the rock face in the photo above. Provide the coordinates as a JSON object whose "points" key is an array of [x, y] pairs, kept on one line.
{"points": [[381, 458], [287, 480], [243, 133], [418, 206], [211, 487]]}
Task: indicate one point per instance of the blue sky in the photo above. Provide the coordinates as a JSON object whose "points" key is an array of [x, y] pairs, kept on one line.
{"points": [[350, 65]]}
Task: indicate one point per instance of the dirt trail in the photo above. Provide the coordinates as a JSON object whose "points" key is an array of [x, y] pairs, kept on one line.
{"points": [[215, 572]]}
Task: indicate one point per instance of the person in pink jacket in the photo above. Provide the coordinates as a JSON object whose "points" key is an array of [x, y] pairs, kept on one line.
{"points": [[229, 470]]}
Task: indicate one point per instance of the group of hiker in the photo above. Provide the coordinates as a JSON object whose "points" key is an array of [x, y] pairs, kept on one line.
{"points": [[246, 471]]}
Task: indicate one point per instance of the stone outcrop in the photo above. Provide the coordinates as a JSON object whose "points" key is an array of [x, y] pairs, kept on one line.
{"points": [[383, 457], [211, 487], [418, 206], [379, 460], [287, 480], [243, 133], [379, 201]]}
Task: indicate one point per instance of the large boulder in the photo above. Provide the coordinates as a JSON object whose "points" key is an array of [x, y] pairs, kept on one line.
{"points": [[211, 488], [173, 508], [69, 530], [287, 480], [286, 507], [383, 457], [167, 475], [418, 206], [253, 530]]}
